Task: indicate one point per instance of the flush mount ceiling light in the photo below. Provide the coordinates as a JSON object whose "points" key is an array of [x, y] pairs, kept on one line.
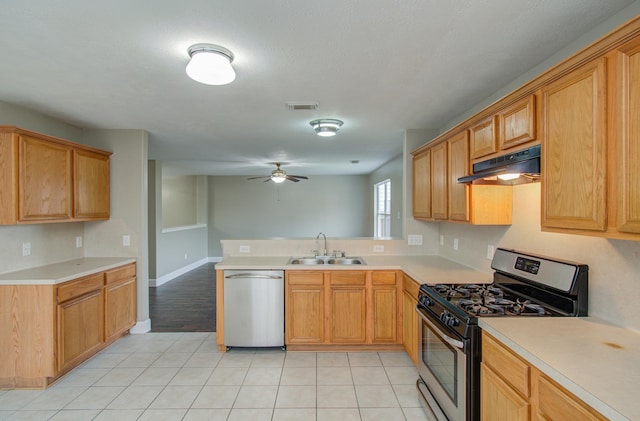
{"points": [[210, 64], [326, 126]]}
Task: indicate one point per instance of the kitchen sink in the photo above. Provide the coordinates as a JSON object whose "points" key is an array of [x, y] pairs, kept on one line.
{"points": [[326, 260], [305, 261]]}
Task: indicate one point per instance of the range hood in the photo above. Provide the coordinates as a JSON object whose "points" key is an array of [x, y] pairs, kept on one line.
{"points": [[524, 163]]}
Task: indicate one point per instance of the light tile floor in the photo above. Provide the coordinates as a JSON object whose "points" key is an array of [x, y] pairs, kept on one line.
{"points": [[182, 376]]}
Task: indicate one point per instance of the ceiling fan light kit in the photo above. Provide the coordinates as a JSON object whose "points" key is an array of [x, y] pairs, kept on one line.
{"points": [[326, 127], [210, 64]]}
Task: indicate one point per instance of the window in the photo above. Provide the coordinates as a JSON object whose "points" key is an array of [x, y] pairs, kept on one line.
{"points": [[382, 209]]}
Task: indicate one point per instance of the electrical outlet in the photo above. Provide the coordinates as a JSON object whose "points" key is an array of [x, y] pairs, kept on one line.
{"points": [[126, 240], [245, 249], [378, 248], [26, 249], [442, 240], [490, 250], [78, 241], [455, 244], [414, 240]]}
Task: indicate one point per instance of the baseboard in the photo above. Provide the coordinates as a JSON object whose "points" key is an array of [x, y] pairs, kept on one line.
{"points": [[172, 275], [141, 327]]}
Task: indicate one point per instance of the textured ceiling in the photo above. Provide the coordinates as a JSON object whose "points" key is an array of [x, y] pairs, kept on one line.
{"points": [[381, 66]]}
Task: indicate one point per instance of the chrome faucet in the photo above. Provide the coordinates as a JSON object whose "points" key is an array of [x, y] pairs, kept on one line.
{"points": [[324, 249]]}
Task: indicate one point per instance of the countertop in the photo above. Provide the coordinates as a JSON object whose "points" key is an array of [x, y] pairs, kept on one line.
{"points": [[424, 269], [596, 361], [64, 271]]}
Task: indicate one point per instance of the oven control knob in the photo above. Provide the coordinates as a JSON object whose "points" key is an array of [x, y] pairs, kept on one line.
{"points": [[449, 319], [426, 301]]}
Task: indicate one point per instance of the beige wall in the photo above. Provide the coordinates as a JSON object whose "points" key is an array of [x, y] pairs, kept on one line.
{"points": [[614, 265]]}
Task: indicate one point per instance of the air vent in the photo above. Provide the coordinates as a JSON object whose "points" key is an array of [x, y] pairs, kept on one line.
{"points": [[299, 106]]}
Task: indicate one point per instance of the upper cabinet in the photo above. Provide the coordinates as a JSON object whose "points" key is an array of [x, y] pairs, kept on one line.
{"points": [[45, 179], [591, 147], [574, 149], [436, 185], [627, 168], [511, 126]]}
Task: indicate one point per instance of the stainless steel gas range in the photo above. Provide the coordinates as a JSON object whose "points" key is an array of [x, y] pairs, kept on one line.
{"points": [[524, 285]]}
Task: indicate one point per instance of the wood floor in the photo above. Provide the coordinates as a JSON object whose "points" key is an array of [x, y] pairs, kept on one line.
{"points": [[185, 304]]}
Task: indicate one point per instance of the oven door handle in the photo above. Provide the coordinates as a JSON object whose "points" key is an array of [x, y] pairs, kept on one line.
{"points": [[453, 342]]}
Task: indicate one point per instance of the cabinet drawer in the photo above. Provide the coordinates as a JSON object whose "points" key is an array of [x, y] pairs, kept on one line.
{"points": [[79, 287], [304, 278], [411, 286], [121, 273], [383, 278], [511, 368], [348, 278], [556, 403]]}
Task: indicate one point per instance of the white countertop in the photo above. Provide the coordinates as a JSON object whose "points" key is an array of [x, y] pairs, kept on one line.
{"points": [[424, 269], [596, 361], [63, 271]]}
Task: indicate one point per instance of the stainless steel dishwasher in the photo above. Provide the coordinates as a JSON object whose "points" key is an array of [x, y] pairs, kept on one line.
{"points": [[254, 308]]}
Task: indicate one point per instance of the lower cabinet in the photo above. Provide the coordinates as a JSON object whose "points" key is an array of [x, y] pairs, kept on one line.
{"points": [[512, 389], [46, 330], [341, 307], [410, 322], [304, 303]]}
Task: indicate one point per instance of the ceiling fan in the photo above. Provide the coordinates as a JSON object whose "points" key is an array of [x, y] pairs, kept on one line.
{"points": [[279, 176]]}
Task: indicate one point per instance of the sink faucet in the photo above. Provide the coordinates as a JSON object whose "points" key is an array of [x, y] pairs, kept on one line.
{"points": [[324, 249]]}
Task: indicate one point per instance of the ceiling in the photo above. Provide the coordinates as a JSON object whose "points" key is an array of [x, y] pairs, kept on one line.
{"points": [[381, 66]]}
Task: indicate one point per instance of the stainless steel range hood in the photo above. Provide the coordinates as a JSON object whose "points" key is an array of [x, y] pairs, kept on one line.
{"points": [[524, 163]]}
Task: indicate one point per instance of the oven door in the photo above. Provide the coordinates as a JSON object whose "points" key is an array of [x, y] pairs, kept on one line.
{"points": [[442, 365]]}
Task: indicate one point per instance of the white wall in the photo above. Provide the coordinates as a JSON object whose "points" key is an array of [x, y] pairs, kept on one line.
{"points": [[241, 208], [128, 206]]}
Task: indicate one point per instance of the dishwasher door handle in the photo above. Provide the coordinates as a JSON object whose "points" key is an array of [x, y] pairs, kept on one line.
{"points": [[252, 276]]}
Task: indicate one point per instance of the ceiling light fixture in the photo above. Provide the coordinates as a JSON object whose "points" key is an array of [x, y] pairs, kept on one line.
{"points": [[278, 175], [210, 64], [326, 127]]}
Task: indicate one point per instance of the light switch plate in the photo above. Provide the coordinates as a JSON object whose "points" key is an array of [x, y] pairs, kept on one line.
{"points": [[378, 248], [126, 240], [490, 250], [455, 244], [414, 240], [78, 241]]}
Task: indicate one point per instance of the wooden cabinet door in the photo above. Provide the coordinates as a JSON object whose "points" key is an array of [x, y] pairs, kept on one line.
{"points": [[45, 177], [120, 307], [385, 314], [458, 163], [498, 401], [410, 326], [304, 307], [628, 138], [80, 328], [91, 188], [384, 307], [422, 185], [348, 314], [574, 145], [517, 123], [483, 138], [439, 181]]}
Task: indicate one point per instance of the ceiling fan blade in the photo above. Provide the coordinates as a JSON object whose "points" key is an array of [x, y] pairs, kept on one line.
{"points": [[290, 178], [268, 177], [299, 176]]}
